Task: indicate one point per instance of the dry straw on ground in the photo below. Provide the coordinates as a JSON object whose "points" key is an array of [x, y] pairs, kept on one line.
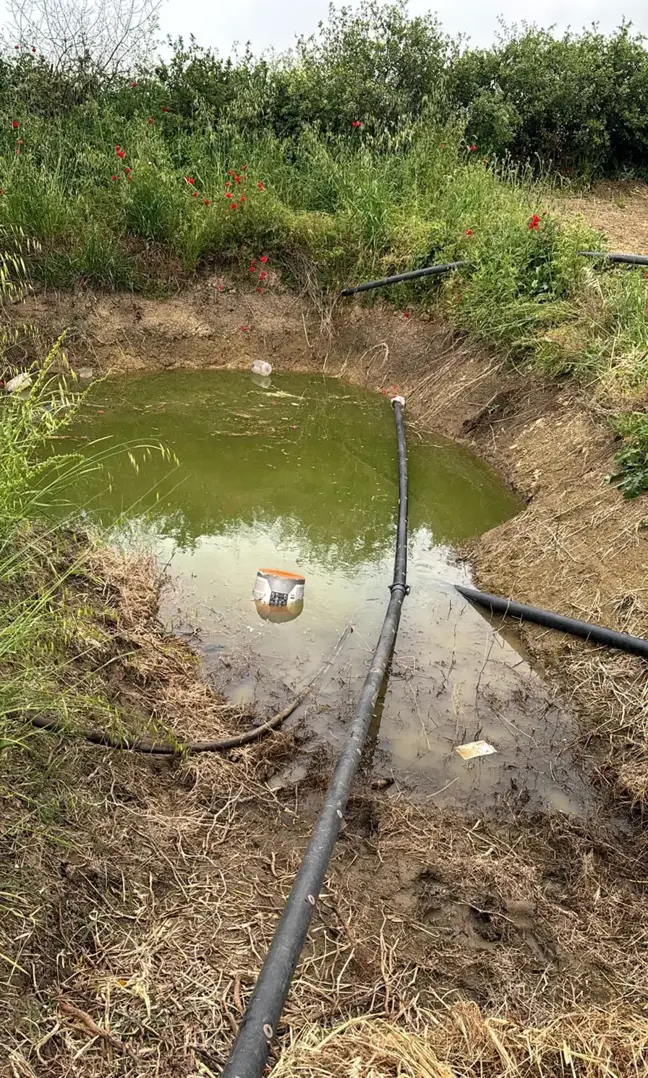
{"points": [[463, 1044]]}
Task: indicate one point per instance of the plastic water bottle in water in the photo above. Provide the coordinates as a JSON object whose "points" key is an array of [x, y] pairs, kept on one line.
{"points": [[259, 366]]}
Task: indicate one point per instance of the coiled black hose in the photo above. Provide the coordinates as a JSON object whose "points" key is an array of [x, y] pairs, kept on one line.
{"points": [[595, 634], [258, 1027], [180, 748]]}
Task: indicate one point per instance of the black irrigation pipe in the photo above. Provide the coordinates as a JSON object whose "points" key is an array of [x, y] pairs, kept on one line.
{"points": [[429, 271], [259, 1024], [631, 260], [595, 634], [165, 748]]}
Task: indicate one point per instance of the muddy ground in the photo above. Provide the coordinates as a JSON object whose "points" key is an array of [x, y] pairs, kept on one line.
{"points": [[141, 903]]}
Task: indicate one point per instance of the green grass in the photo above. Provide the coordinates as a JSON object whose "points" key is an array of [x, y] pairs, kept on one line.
{"points": [[55, 638]]}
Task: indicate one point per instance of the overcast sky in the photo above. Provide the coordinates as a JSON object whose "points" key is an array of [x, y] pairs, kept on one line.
{"points": [[275, 23]]}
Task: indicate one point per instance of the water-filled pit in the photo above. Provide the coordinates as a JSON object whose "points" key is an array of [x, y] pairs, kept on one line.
{"points": [[299, 473]]}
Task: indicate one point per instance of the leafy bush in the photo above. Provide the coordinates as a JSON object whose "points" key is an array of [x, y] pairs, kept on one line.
{"points": [[579, 101], [632, 460]]}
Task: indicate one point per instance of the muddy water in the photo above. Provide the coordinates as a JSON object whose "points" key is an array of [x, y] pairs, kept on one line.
{"points": [[299, 473]]}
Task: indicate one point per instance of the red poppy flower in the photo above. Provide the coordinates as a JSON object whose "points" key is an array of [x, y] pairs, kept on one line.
{"points": [[133, 85], [243, 168], [189, 180], [233, 205], [244, 328], [114, 179], [260, 186], [221, 288], [237, 179], [16, 46], [120, 153], [406, 314], [151, 119], [228, 184], [252, 268], [33, 48], [15, 124], [242, 199], [264, 258], [231, 172], [194, 194], [206, 202], [468, 232], [356, 123], [127, 170], [259, 290], [534, 223], [164, 109], [228, 194], [263, 275], [472, 148]]}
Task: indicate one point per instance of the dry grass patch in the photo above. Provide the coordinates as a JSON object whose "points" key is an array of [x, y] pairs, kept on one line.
{"points": [[462, 1043]]}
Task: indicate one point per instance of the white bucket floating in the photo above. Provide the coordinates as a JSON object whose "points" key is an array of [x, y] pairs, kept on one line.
{"points": [[278, 595]]}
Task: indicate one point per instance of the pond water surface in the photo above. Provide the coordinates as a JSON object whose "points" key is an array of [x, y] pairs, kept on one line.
{"points": [[299, 473]]}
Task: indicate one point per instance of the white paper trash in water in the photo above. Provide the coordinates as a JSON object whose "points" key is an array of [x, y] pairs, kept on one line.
{"points": [[473, 749]]}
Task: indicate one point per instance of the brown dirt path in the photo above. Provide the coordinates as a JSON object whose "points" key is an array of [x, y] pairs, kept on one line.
{"points": [[619, 208]]}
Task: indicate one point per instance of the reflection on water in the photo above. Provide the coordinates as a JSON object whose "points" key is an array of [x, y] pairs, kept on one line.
{"points": [[301, 475]]}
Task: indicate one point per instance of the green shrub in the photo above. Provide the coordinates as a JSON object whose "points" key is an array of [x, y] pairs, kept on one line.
{"points": [[632, 460]]}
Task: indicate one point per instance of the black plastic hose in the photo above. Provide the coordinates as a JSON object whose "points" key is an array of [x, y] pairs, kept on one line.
{"points": [[595, 634], [411, 275], [632, 260], [250, 1051]]}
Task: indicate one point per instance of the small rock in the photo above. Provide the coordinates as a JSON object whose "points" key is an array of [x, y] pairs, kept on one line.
{"points": [[85, 373]]}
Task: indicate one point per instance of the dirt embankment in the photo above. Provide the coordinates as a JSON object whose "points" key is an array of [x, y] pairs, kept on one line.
{"points": [[147, 899]]}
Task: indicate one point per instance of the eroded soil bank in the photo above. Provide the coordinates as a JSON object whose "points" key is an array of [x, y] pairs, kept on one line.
{"points": [[147, 900]]}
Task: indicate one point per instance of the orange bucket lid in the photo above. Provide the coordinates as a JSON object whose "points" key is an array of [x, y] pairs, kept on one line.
{"points": [[282, 573]]}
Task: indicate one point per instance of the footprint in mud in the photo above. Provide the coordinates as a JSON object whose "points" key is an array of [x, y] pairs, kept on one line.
{"points": [[483, 922]]}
